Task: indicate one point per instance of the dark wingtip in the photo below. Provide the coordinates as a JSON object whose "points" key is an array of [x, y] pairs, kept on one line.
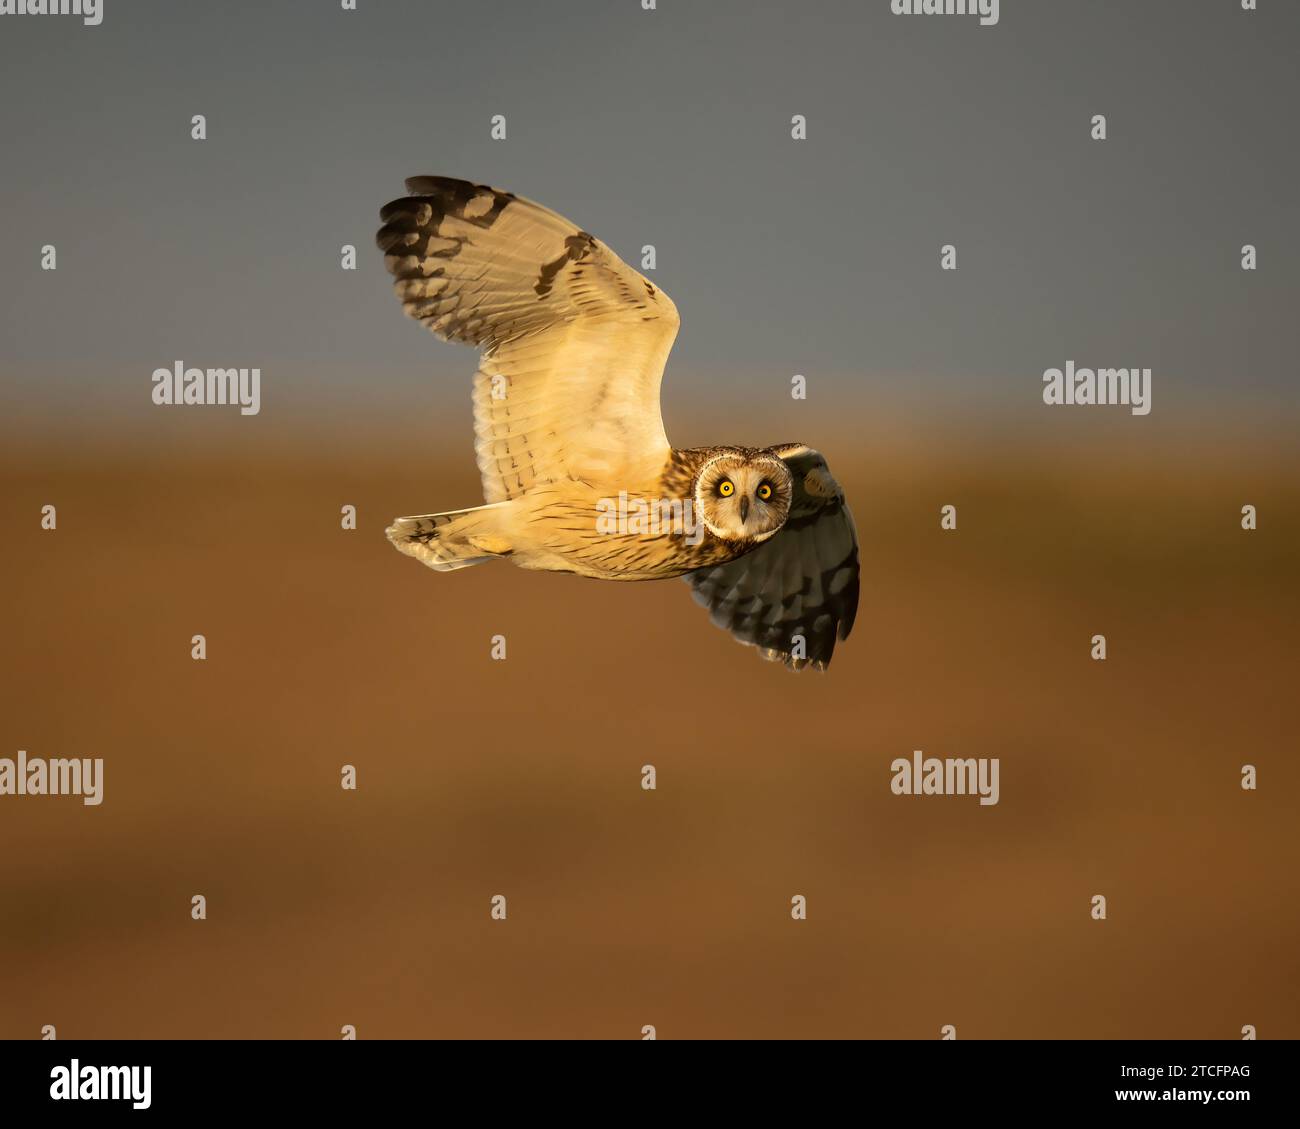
{"points": [[775, 655], [410, 219], [850, 606], [433, 185], [432, 198], [454, 192]]}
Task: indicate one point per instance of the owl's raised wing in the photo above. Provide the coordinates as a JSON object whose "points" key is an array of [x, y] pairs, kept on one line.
{"points": [[801, 582], [574, 340]]}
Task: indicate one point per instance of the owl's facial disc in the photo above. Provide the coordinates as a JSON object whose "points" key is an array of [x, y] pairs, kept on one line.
{"points": [[743, 498]]}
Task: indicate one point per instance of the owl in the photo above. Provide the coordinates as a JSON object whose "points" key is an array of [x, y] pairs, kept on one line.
{"points": [[578, 475]]}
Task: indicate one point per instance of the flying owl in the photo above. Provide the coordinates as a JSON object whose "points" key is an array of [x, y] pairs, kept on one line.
{"points": [[578, 475]]}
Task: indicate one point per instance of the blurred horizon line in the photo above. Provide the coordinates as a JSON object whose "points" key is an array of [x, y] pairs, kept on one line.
{"points": [[701, 405]]}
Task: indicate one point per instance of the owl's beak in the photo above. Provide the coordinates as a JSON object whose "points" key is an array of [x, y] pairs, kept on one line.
{"points": [[744, 509]]}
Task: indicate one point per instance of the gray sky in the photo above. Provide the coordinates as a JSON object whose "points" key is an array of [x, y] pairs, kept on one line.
{"points": [[669, 127]]}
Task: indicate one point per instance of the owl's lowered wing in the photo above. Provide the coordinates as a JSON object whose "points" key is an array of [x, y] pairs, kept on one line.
{"points": [[574, 340], [802, 582]]}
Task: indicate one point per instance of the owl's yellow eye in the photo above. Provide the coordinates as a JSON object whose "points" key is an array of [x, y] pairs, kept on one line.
{"points": [[726, 488], [765, 491]]}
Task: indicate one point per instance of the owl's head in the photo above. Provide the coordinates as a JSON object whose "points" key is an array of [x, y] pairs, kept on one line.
{"points": [[743, 495]]}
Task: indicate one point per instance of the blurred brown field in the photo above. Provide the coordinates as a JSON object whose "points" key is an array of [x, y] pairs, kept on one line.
{"points": [[522, 777]]}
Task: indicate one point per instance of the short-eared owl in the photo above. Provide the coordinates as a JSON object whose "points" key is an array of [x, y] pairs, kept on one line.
{"points": [[578, 475]]}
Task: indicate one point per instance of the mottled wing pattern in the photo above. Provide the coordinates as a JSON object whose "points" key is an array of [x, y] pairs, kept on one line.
{"points": [[803, 581], [573, 340]]}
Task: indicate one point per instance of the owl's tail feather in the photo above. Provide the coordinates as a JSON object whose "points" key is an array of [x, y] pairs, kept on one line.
{"points": [[456, 539]]}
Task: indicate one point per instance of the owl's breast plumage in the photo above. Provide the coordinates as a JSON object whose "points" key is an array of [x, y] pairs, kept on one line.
{"points": [[625, 531]]}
